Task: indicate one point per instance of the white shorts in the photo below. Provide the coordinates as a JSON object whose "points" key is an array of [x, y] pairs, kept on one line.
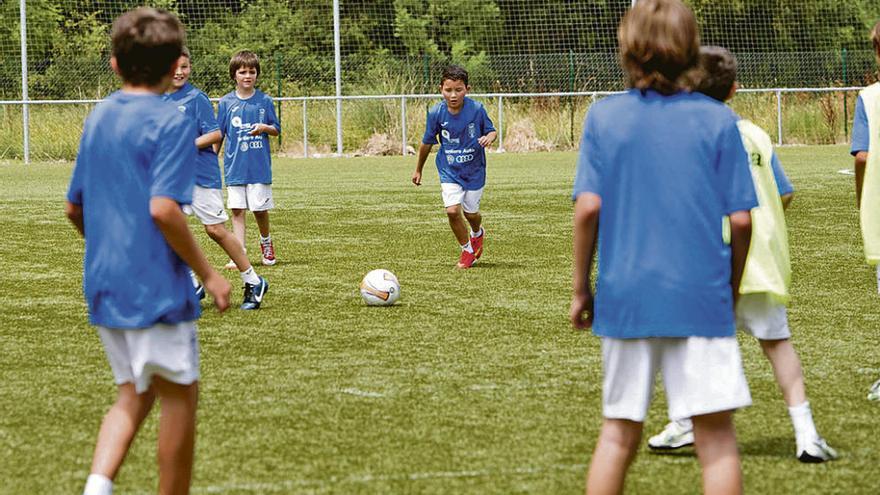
{"points": [[701, 375], [254, 197], [207, 206], [761, 317], [453, 194], [169, 351]]}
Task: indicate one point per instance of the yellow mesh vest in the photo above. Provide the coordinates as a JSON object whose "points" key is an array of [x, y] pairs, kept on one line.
{"points": [[768, 266], [869, 212]]}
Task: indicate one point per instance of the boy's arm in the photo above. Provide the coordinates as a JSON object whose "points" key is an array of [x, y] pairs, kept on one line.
{"points": [[261, 128], [740, 238], [586, 227], [488, 139], [74, 213], [171, 221], [786, 200], [424, 151], [861, 161], [209, 139]]}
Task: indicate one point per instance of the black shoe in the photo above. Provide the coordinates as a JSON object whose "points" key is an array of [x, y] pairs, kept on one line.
{"points": [[253, 294]]}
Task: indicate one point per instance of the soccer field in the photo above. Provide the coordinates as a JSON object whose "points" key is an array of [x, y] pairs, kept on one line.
{"points": [[473, 383]]}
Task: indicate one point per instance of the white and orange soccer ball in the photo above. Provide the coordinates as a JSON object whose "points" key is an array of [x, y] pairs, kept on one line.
{"points": [[380, 288]]}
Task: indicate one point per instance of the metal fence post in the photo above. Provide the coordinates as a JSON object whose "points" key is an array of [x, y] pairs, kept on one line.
{"points": [[305, 130], [779, 117], [25, 110], [338, 61], [500, 124], [403, 125], [278, 79]]}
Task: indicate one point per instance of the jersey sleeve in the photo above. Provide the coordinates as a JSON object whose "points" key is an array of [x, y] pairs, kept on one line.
{"points": [[75, 189], [271, 116], [486, 121], [221, 117], [431, 127], [205, 115], [735, 176], [860, 136], [588, 177], [783, 185], [173, 172]]}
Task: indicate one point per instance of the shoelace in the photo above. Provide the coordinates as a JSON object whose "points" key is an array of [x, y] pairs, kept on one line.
{"points": [[268, 250]]}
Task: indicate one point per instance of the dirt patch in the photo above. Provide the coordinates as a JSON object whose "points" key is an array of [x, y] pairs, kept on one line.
{"points": [[522, 137], [381, 144]]}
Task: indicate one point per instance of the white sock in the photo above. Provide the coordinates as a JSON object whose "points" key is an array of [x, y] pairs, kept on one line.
{"points": [[195, 279], [686, 424], [467, 247], [265, 240], [478, 233], [802, 419], [98, 484], [249, 276]]}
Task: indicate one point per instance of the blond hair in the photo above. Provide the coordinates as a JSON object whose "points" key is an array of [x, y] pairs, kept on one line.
{"points": [[658, 43]]}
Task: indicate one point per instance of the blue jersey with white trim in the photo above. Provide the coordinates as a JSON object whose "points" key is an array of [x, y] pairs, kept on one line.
{"points": [[461, 159], [195, 104], [134, 147], [247, 158]]}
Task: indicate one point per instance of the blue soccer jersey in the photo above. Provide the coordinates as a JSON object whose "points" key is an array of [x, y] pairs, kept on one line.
{"points": [[247, 159], [461, 159], [783, 185], [668, 169], [195, 104], [860, 135], [134, 147]]}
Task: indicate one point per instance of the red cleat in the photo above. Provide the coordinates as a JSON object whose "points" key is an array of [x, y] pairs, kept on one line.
{"points": [[466, 260], [477, 245], [268, 252]]}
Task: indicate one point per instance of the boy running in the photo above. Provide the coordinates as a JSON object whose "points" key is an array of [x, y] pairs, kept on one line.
{"points": [[247, 119], [207, 204], [656, 194], [463, 129], [867, 166], [764, 289], [132, 173]]}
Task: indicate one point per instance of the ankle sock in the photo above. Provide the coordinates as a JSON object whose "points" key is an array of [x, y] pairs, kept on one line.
{"points": [[249, 276], [479, 233], [265, 240], [98, 484], [802, 420], [467, 247]]}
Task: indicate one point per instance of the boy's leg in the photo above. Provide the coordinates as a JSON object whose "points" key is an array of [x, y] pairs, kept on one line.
{"points": [[456, 223], [262, 218], [238, 226], [787, 369], [230, 244], [615, 451], [177, 433], [267, 248], [715, 439], [119, 428]]}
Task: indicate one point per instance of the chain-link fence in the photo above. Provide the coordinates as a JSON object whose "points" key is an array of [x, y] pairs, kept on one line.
{"points": [[398, 47]]}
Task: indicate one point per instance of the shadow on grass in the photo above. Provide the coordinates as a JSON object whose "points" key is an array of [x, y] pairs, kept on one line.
{"points": [[783, 447], [497, 265]]}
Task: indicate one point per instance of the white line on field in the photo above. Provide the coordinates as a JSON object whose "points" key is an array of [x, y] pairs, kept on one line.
{"points": [[361, 393], [846, 171], [369, 478]]}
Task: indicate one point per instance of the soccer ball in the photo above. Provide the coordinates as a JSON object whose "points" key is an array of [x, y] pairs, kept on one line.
{"points": [[380, 288]]}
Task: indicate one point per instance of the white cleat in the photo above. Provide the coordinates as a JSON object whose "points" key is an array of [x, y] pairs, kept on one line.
{"points": [[674, 436], [816, 451]]}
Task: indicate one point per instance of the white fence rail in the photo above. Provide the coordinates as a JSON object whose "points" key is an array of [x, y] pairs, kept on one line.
{"points": [[404, 98]]}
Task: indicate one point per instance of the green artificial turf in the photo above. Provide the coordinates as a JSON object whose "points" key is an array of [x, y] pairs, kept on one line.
{"points": [[473, 383]]}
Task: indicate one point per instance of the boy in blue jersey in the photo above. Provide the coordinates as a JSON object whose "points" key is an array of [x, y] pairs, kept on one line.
{"points": [[463, 129], [207, 203], [861, 143], [764, 290], [133, 171], [656, 194], [247, 119]]}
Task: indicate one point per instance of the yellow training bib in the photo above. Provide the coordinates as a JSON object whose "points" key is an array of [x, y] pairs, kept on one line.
{"points": [[870, 206]]}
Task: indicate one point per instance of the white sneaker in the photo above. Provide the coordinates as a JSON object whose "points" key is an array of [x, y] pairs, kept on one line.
{"points": [[816, 451], [874, 391], [674, 436]]}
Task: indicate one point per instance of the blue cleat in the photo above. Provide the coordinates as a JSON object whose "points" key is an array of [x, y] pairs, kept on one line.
{"points": [[253, 294], [200, 292]]}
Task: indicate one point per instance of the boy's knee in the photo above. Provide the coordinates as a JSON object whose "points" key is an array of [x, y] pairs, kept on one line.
{"points": [[237, 212], [453, 211], [623, 434], [216, 231]]}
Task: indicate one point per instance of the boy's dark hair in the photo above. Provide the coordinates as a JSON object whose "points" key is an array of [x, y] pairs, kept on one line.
{"points": [[244, 58], [875, 38], [146, 43], [454, 73], [658, 43], [715, 73]]}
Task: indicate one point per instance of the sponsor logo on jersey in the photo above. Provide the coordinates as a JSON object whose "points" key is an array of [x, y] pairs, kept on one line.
{"points": [[472, 130], [181, 108]]}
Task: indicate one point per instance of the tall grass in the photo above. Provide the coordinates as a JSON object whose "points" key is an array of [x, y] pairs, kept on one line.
{"points": [[553, 122]]}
